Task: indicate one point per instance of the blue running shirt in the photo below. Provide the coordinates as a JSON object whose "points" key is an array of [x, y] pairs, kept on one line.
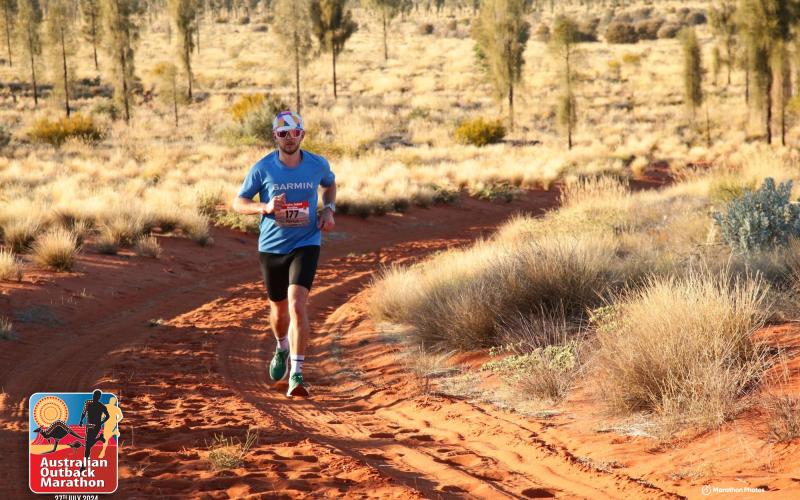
{"points": [[296, 226]]}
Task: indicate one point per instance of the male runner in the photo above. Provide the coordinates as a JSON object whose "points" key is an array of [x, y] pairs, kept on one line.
{"points": [[286, 181]]}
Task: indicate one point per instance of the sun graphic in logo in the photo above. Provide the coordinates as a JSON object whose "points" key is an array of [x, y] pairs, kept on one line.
{"points": [[48, 410]]}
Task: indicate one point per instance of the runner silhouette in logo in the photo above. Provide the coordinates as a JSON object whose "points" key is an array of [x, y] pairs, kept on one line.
{"points": [[110, 429], [58, 430], [96, 415]]}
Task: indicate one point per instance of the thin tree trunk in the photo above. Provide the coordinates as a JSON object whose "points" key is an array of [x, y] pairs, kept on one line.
{"points": [[33, 68], [66, 76], [747, 81], [8, 34], [189, 63], [123, 64], [297, 71], [769, 106], [385, 45], [333, 52], [175, 98], [511, 105], [197, 19], [708, 127], [94, 40]]}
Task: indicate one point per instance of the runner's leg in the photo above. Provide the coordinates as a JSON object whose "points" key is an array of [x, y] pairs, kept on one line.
{"points": [[275, 269]]}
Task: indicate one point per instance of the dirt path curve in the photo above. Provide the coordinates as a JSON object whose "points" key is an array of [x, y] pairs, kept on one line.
{"points": [[202, 372]]}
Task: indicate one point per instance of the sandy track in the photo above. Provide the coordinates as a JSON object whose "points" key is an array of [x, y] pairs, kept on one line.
{"points": [[367, 431]]}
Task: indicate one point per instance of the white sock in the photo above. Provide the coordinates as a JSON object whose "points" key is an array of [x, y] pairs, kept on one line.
{"points": [[283, 344], [297, 363]]}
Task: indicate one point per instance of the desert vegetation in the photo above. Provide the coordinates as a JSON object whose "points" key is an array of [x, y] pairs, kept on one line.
{"points": [[122, 121]]}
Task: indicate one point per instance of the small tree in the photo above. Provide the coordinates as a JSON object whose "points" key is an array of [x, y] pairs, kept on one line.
{"points": [[29, 20], [59, 29], [501, 33], [167, 88], [723, 24], [8, 9], [121, 33], [294, 36], [333, 25], [766, 27], [564, 47], [90, 10], [386, 11], [692, 71], [184, 14]]}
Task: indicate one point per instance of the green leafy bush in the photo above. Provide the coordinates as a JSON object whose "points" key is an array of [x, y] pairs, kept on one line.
{"points": [[762, 219], [55, 132], [254, 113], [618, 32], [480, 132]]}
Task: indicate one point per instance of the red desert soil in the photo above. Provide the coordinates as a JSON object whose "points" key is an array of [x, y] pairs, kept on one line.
{"points": [[368, 431]]}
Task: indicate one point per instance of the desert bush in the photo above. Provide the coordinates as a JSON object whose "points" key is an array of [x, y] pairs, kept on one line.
{"points": [[641, 14], [783, 418], [648, 29], [147, 246], [56, 132], [5, 136], [683, 348], [587, 30], [246, 105], [542, 355], [426, 29], [233, 220], [244, 20], [20, 234], [10, 267], [618, 32], [456, 299], [592, 188], [452, 25], [760, 219], [669, 30], [124, 228], [480, 132], [56, 249]]}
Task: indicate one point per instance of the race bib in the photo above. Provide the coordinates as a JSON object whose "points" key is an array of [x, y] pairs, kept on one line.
{"points": [[294, 214]]}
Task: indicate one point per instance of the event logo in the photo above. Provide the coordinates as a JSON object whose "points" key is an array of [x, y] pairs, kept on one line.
{"points": [[73, 439]]}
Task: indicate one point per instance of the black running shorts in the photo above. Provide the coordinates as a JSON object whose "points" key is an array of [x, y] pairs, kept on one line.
{"points": [[297, 267]]}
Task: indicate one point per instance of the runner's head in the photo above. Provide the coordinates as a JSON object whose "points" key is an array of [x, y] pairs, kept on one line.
{"points": [[96, 395], [288, 131]]}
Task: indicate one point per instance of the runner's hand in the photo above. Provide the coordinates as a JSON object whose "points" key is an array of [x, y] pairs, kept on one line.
{"points": [[275, 204], [325, 220]]}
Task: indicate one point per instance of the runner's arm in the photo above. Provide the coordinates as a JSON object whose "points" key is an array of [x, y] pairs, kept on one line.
{"points": [[329, 194], [245, 206]]}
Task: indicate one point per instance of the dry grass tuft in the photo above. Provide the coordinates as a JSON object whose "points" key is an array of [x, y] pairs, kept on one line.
{"points": [[683, 348], [230, 453], [10, 266], [147, 246], [20, 234], [56, 249], [784, 417], [6, 329]]}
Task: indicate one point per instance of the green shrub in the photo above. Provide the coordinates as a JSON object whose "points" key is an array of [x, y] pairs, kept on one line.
{"points": [[760, 220], [618, 32], [55, 132], [254, 113], [480, 132]]}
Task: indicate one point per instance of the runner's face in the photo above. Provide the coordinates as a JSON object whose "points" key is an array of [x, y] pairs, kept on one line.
{"points": [[289, 145]]}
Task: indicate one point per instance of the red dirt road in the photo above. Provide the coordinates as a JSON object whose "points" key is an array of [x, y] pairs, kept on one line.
{"points": [[202, 370]]}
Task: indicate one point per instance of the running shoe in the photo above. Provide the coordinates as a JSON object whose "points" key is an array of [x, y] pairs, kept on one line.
{"points": [[296, 386], [279, 366]]}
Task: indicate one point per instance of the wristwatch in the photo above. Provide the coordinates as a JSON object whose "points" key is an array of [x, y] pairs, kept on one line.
{"points": [[331, 205]]}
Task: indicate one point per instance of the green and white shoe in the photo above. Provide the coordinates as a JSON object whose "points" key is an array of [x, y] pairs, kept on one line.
{"points": [[279, 366], [296, 386]]}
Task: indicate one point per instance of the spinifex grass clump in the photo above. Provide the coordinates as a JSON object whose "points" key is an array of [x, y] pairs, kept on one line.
{"points": [[56, 132], [760, 220], [56, 249], [480, 132], [683, 348]]}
